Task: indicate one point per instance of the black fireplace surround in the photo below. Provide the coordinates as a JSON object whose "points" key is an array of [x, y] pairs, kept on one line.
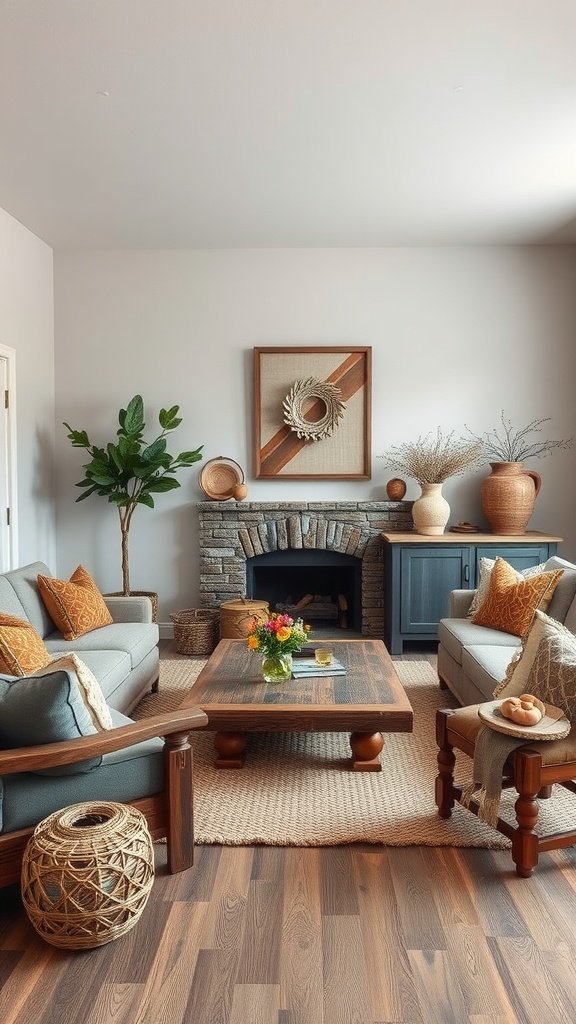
{"points": [[276, 551]]}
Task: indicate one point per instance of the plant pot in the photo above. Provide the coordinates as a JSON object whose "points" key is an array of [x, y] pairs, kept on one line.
{"points": [[508, 497], [139, 593]]}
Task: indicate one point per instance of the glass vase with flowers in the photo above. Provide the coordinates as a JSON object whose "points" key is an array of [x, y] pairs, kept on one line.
{"points": [[275, 640]]}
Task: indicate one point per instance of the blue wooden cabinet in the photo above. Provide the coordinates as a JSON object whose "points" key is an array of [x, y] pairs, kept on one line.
{"points": [[420, 572]]}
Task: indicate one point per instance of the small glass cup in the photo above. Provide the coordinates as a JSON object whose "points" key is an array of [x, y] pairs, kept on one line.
{"points": [[323, 656]]}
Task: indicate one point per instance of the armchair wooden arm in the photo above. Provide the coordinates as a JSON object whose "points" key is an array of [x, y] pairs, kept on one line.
{"points": [[169, 813], [49, 755]]}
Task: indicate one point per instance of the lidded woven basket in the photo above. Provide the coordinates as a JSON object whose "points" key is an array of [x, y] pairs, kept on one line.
{"points": [[236, 617], [196, 630]]}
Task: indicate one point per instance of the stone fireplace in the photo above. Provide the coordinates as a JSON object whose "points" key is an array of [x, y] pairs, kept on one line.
{"points": [[240, 541]]}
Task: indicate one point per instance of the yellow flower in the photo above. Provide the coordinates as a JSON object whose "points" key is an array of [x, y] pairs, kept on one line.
{"points": [[253, 643], [283, 633]]}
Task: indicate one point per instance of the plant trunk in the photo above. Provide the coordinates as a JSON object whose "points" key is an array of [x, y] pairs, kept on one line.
{"points": [[124, 528]]}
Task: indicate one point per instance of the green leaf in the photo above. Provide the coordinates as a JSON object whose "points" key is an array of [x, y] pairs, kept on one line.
{"points": [[189, 458], [134, 419], [86, 494], [158, 447], [102, 479], [169, 419], [146, 499], [163, 483], [78, 438]]}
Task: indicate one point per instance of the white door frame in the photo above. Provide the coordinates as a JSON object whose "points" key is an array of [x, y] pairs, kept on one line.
{"points": [[8, 470]]}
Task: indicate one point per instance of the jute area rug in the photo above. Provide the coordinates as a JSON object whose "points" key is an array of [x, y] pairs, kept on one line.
{"points": [[296, 789]]}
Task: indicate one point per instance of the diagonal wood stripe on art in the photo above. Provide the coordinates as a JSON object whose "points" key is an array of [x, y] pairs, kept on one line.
{"points": [[284, 445]]}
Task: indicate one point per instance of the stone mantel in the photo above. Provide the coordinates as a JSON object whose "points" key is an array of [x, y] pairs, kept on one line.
{"points": [[232, 531]]}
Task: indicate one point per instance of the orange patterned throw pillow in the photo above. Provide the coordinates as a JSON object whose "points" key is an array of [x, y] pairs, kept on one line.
{"points": [[510, 605], [22, 649], [75, 606]]}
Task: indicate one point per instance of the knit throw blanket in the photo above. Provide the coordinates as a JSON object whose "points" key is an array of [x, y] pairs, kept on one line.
{"points": [[490, 753]]}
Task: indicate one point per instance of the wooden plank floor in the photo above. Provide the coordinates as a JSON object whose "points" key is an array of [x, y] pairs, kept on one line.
{"points": [[346, 935]]}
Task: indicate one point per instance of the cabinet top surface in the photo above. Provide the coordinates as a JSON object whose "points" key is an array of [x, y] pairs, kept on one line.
{"points": [[530, 537]]}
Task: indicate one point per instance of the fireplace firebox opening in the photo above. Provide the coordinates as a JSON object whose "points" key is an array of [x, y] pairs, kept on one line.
{"points": [[323, 587]]}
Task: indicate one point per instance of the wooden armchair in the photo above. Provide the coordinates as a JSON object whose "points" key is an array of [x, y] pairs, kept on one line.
{"points": [[169, 813]]}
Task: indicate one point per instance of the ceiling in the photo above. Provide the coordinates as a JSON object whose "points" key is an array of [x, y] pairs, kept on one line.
{"points": [[194, 123]]}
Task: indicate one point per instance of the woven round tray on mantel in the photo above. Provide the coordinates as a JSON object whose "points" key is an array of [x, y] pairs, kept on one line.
{"points": [[222, 478]]}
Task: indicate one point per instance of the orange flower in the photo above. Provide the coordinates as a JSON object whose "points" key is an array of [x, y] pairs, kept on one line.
{"points": [[283, 633], [253, 643]]}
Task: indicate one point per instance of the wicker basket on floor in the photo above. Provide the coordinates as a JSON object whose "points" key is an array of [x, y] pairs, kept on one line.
{"points": [[196, 630], [87, 873]]}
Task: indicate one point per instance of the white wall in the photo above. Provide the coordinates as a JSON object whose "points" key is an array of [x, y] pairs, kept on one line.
{"points": [[457, 336], [27, 325]]}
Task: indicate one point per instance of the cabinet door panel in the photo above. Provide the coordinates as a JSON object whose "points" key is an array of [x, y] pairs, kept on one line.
{"points": [[428, 575], [518, 555]]}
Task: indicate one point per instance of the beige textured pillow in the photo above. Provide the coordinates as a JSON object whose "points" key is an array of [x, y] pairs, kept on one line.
{"points": [[544, 666], [509, 606], [75, 606], [89, 688], [486, 567], [22, 649]]}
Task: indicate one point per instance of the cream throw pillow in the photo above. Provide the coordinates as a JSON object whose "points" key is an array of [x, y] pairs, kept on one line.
{"points": [[486, 567], [92, 697]]}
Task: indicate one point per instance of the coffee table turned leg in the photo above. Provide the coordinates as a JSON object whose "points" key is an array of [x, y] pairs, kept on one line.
{"points": [[366, 748], [231, 749]]}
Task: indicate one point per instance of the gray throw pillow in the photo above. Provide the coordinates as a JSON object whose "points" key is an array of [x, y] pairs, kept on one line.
{"points": [[45, 708]]}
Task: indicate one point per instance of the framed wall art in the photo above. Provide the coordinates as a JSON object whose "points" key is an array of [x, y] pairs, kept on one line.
{"points": [[313, 412]]}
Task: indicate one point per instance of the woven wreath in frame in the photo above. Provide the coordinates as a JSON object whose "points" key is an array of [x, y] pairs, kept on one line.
{"points": [[300, 392]]}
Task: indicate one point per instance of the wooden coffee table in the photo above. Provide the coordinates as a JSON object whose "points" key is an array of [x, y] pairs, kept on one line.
{"points": [[366, 702]]}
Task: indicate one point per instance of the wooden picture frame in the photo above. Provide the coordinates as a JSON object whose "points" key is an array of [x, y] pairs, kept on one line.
{"points": [[313, 412]]}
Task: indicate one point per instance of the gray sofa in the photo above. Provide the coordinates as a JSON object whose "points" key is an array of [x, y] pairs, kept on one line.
{"points": [[123, 656], [473, 659]]}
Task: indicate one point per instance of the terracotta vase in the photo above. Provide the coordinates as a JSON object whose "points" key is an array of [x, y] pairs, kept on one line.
{"points": [[508, 497], [431, 511]]}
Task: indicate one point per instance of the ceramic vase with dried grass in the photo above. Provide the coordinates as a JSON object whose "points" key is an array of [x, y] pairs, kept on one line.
{"points": [[431, 511]]}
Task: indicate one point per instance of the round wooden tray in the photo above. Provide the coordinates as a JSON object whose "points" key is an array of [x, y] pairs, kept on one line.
{"points": [[553, 726], [219, 477]]}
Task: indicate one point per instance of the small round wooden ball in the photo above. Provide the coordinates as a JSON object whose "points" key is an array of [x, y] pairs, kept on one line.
{"points": [[239, 492], [396, 489]]}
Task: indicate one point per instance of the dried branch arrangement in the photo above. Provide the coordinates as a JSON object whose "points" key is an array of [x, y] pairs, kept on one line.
{"points": [[433, 458], [508, 445]]}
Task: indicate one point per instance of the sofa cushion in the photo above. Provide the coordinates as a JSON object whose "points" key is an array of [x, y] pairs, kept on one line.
{"points": [[24, 582], [486, 567], [111, 668], [45, 708], [455, 634], [137, 639], [124, 775], [22, 649], [565, 590], [90, 689], [545, 666], [486, 665], [76, 606], [10, 603], [509, 605]]}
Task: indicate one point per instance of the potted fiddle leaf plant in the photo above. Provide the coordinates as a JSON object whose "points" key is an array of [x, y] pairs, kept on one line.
{"points": [[128, 472]]}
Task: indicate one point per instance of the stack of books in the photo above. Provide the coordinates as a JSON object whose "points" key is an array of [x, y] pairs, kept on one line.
{"points": [[302, 667]]}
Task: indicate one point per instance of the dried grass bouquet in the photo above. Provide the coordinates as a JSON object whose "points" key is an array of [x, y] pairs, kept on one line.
{"points": [[432, 458], [511, 445]]}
